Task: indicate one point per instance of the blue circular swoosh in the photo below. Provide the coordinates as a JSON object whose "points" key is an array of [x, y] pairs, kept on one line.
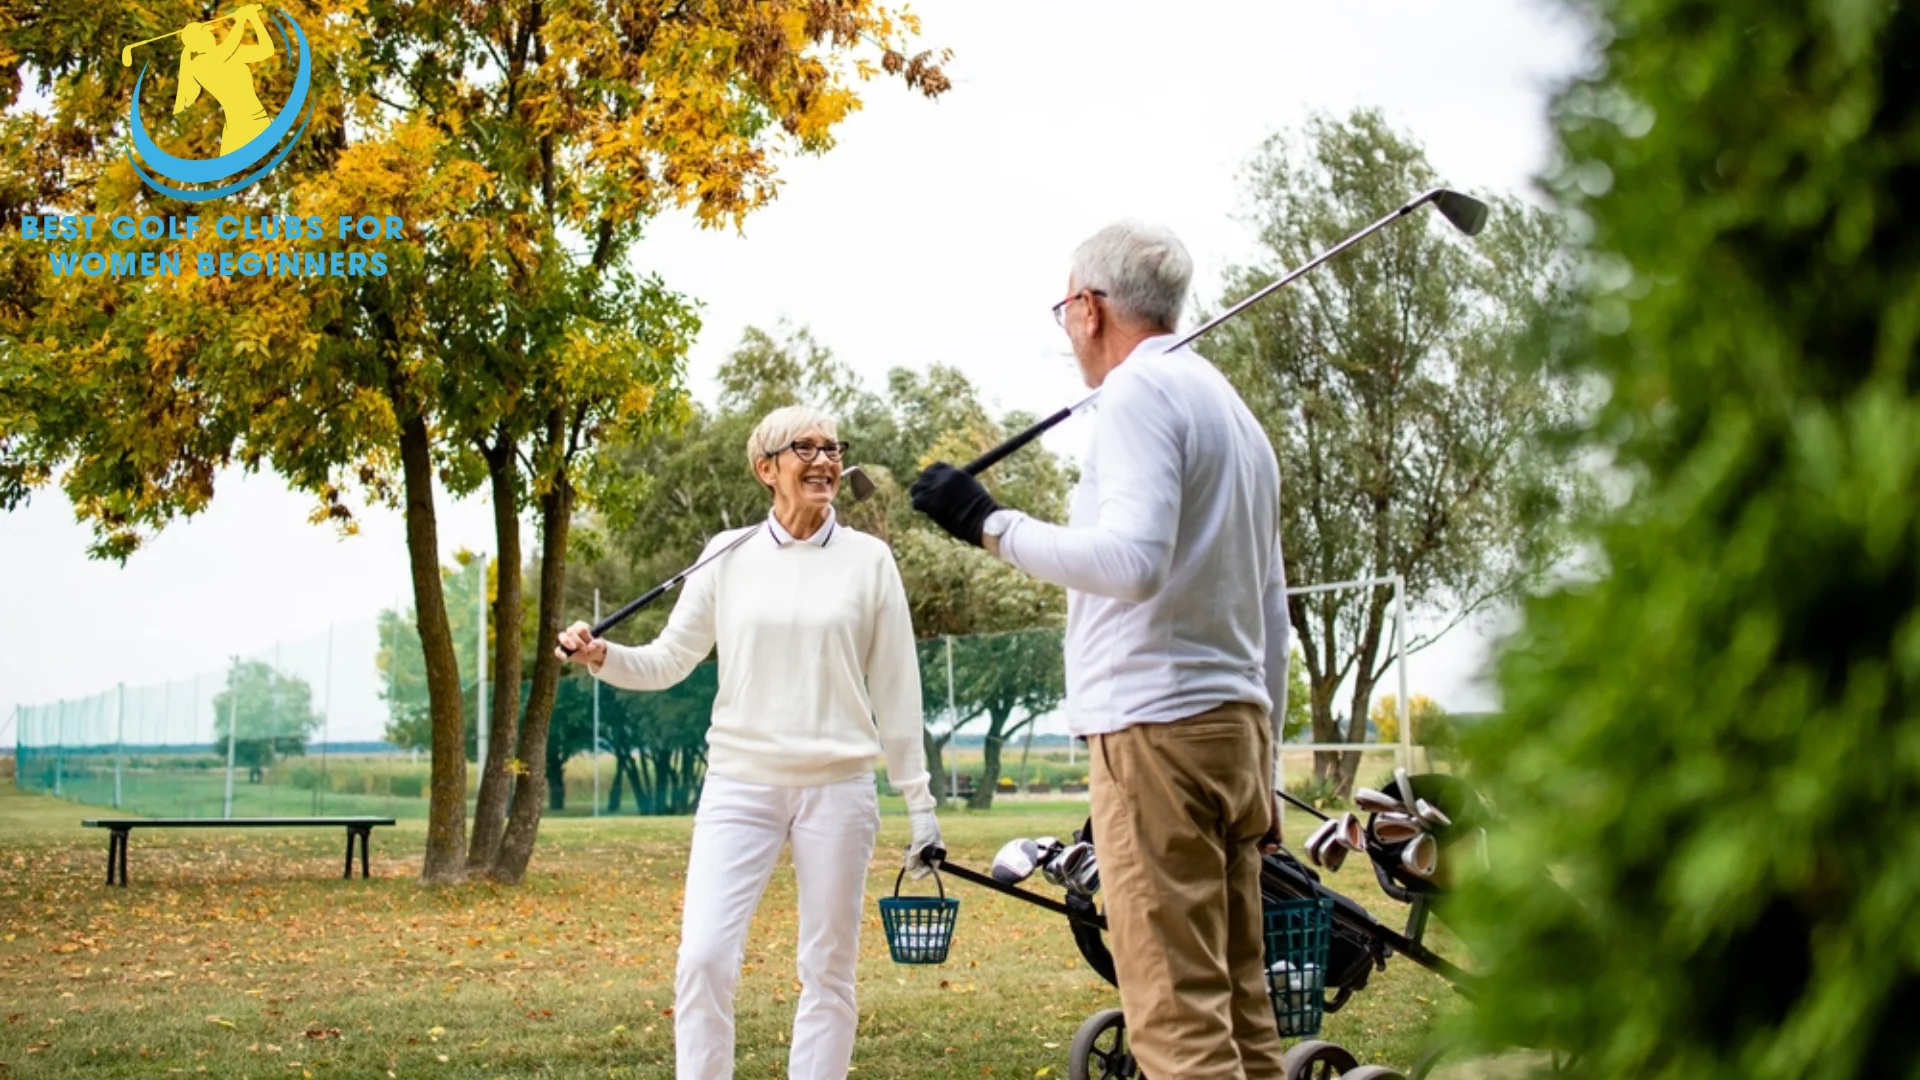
{"points": [[225, 189], [204, 170]]}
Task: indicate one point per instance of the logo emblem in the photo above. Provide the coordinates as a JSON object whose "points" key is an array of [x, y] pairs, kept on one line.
{"points": [[219, 66]]}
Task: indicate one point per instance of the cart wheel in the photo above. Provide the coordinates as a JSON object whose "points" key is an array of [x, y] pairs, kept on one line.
{"points": [[1099, 1050], [1428, 1063], [1372, 1072], [1317, 1059]]}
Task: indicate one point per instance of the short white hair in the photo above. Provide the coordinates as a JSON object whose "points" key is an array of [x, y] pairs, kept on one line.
{"points": [[782, 426], [1144, 270]]}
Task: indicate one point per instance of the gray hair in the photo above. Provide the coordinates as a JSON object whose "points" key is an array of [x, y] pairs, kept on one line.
{"points": [[782, 426], [1143, 269]]}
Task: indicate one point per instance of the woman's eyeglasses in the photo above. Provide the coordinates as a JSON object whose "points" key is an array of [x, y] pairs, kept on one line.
{"points": [[808, 451]]}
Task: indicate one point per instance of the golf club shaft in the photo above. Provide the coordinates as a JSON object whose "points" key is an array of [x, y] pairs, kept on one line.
{"points": [[936, 857], [1318, 259], [127, 50], [862, 488], [992, 457], [600, 628], [1309, 809]]}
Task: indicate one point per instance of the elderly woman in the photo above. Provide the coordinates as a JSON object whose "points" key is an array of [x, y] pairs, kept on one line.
{"points": [[817, 675]]}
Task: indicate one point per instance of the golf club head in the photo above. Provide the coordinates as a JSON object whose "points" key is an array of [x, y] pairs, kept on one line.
{"points": [[1015, 862], [859, 483], [1465, 212]]}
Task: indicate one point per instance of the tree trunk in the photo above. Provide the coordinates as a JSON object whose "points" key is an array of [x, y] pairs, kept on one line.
{"points": [[1365, 677], [556, 784], [982, 797], [529, 795], [623, 772], [936, 772], [496, 781], [447, 806]]}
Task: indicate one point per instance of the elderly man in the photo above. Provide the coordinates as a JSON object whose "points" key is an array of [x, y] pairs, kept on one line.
{"points": [[1176, 653]]}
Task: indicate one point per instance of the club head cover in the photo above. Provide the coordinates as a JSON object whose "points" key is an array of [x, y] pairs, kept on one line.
{"points": [[1015, 862], [1397, 828], [1421, 856], [1376, 802]]}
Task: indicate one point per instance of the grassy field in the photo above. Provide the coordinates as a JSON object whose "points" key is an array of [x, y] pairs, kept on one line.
{"points": [[243, 954]]}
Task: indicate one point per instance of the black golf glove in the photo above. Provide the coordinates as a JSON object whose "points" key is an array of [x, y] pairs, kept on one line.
{"points": [[954, 500]]}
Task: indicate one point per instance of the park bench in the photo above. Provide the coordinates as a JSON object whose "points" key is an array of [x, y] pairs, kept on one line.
{"points": [[361, 827]]}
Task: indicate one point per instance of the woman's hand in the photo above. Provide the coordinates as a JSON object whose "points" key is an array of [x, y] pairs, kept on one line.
{"points": [[578, 644], [926, 834]]}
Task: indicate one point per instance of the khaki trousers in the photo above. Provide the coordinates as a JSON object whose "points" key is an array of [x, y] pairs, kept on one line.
{"points": [[1178, 812]]}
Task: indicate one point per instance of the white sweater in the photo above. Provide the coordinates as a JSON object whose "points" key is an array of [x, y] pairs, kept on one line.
{"points": [[1176, 591], [817, 665]]}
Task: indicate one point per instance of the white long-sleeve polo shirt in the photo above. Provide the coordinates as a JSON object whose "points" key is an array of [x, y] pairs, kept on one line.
{"points": [[816, 660], [1176, 591]]}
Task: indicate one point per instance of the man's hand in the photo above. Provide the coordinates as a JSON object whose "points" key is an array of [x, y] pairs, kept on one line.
{"points": [[1270, 843], [954, 500], [578, 644]]}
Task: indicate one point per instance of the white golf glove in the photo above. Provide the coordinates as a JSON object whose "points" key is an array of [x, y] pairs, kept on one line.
{"points": [[925, 826], [926, 834]]}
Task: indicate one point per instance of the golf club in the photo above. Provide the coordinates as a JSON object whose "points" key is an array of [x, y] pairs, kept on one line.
{"points": [[1463, 212], [126, 51], [857, 482]]}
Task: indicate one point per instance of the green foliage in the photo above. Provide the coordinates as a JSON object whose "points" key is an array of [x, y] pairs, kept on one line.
{"points": [[1299, 716], [1319, 792], [1712, 744], [403, 666], [1385, 381], [264, 714]]}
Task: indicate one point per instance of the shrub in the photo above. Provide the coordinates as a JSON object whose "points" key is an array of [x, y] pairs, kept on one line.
{"points": [[1711, 745]]}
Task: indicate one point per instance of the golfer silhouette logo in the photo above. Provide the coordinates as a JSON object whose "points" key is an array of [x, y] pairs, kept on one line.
{"points": [[219, 66]]}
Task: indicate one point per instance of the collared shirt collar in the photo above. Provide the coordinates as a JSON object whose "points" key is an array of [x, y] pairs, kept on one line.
{"points": [[1154, 345], [820, 535]]}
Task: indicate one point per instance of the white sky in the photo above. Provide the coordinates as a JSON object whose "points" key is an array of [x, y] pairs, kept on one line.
{"points": [[935, 231]]}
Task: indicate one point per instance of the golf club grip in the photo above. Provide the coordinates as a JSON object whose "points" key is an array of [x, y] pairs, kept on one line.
{"points": [[632, 606], [992, 457], [600, 628]]}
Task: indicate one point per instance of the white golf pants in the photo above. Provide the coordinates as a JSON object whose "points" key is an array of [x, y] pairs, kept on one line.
{"points": [[738, 832]]}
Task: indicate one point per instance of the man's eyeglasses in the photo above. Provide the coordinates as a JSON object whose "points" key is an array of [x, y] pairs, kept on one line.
{"points": [[807, 451], [1060, 309]]}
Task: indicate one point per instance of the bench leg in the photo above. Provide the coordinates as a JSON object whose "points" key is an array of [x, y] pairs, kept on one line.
{"points": [[117, 850], [363, 834]]}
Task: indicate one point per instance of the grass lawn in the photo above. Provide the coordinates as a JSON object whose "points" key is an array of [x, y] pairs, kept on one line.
{"points": [[243, 954]]}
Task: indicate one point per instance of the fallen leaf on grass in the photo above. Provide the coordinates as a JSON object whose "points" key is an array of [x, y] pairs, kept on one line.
{"points": [[228, 1024], [323, 1033]]}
